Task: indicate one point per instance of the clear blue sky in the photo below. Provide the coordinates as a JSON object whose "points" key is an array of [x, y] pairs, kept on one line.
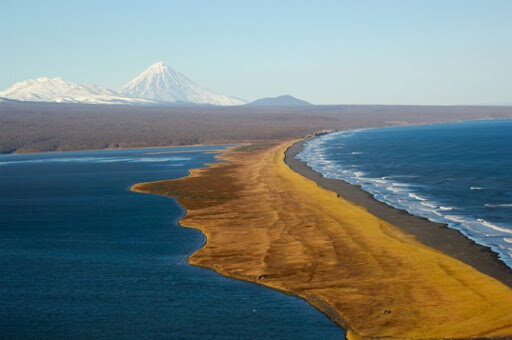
{"points": [[326, 52]]}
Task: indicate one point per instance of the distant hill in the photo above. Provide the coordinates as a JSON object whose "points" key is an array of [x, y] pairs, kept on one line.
{"points": [[285, 100]]}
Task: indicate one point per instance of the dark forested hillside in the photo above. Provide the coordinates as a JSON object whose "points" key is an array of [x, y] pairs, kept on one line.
{"points": [[33, 127]]}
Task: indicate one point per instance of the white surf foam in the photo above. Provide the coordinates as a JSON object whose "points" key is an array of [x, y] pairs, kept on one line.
{"points": [[359, 173], [398, 194], [396, 184], [455, 218], [376, 180], [428, 204], [494, 226], [415, 196], [504, 205], [393, 189]]}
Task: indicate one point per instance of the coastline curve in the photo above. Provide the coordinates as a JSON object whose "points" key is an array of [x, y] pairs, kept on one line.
{"points": [[266, 223], [433, 234]]}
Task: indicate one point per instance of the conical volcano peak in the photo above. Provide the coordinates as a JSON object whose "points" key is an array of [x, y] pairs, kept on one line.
{"points": [[158, 66], [159, 63], [161, 83], [157, 69]]}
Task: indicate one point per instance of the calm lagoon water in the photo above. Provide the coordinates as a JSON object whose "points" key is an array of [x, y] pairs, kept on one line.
{"points": [[459, 174], [83, 257]]}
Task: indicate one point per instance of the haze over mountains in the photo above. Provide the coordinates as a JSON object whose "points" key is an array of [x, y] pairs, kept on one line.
{"points": [[159, 84]]}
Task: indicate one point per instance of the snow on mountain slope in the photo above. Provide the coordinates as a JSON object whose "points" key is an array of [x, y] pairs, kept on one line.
{"points": [[57, 90], [161, 83]]}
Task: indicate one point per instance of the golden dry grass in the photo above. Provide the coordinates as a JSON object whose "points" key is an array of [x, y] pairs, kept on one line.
{"points": [[265, 223]]}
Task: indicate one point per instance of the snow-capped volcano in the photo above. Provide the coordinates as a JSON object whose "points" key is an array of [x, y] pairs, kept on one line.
{"points": [[161, 83], [158, 84], [57, 90]]}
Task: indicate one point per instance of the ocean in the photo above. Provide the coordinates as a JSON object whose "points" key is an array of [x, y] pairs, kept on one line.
{"points": [[459, 173], [81, 256]]}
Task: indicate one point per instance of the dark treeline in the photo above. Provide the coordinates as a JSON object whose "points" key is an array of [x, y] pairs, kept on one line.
{"points": [[35, 127]]}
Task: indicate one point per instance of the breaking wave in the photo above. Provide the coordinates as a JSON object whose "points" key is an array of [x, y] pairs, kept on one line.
{"points": [[429, 193]]}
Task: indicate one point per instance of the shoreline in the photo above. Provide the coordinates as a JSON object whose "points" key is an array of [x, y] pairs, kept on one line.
{"points": [[267, 224], [433, 234], [115, 149], [316, 303]]}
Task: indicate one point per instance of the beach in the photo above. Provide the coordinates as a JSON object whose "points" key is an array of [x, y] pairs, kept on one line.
{"points": [[369, 268], [435, 235]]}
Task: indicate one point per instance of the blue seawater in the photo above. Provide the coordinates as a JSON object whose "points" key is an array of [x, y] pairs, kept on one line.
{"points": [[459, 174], [83, 257]]}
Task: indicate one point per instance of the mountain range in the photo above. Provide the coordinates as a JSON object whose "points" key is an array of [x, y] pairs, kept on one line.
{"points": [[158, 84], [57, 90]]}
